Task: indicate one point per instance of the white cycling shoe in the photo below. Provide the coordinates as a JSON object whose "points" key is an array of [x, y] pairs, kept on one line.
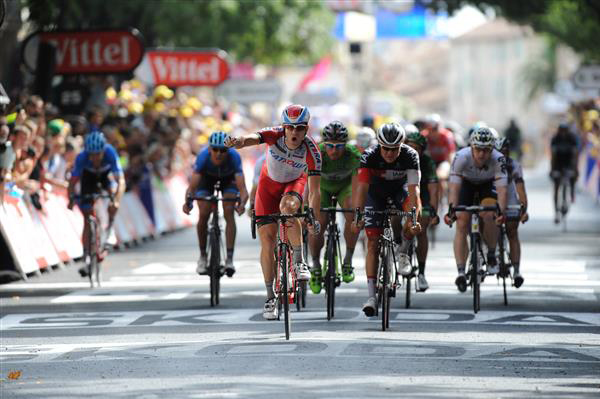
{"points": [[404, 266], [422, 284], [270, 310], [370, 307], [302, 271], [202, 266]]}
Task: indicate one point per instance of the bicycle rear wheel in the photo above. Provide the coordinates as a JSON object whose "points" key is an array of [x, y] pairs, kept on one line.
{"points": [[564, 208], [215, 267], [284, 268]]}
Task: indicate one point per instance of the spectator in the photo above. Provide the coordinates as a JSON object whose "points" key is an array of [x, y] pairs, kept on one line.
{"points": [[7, 156]]}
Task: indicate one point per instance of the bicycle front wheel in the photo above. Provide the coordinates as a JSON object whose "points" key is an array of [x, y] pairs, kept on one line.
{"points": [[92, 265], [284, 268], [407, 283], [475, 283], [330, 278], [215, 268], [386, 291]]}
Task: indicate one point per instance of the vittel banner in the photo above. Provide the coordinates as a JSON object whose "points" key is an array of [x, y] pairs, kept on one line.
{"points": [[184, 68], [89, 52]]}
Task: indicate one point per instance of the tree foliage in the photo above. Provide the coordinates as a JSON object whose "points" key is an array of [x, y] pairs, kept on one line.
{"points": [[272, 32], [575, 23]]}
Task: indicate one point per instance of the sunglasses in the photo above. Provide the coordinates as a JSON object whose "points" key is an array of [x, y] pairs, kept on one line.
{"points": [[337, 146], [299, 128], [390, 149], [221, 150]]}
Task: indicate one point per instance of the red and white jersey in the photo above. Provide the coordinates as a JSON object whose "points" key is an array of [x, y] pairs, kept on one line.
{"points": [[284, 165]]}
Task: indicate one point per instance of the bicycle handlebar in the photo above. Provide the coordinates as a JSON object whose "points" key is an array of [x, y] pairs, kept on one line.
{"points": [[387, 212], [309, 214], [339, 210]]}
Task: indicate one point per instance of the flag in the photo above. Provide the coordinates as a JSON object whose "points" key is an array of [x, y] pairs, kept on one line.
{"points": [[319, 71]]}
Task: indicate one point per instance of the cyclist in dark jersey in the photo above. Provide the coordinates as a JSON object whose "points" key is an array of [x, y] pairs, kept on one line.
{"points": [[564, 146], [338, 175], [430, 191], [217, 163], [384, 171], [92, 170]]}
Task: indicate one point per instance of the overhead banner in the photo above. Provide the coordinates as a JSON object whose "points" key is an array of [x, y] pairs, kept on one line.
{"points": [[88, 52], [175, 68]]}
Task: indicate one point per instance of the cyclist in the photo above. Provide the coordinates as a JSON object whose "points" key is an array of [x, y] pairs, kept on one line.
{"points": [[293, 158], [441, 148], [338, 175], [365, 138], [92, 168], [516, 195], [429, 190], [564, 147], [478, 170], [384, 171], [217, 163]]}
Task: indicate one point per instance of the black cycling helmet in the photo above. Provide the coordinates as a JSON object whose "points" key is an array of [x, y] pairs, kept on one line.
{"points": [[335, 131], [391, 134]]}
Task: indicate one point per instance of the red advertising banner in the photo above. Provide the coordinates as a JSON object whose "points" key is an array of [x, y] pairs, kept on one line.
{"points": [[90, 52], [188, 68]]}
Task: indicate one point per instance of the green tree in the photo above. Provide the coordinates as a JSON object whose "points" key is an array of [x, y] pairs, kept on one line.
{"points": [[575, 23], [262, 31]]}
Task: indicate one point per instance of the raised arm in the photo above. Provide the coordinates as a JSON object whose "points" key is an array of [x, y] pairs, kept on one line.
{"points": [[243, 141]]}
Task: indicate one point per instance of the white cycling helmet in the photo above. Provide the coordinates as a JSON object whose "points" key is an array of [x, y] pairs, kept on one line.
{"points": [[365, 137], [483, 137], [391, 134]]}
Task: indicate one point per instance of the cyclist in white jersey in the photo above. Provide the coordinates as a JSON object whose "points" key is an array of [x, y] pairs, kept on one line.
{"points": [[477, 171]]}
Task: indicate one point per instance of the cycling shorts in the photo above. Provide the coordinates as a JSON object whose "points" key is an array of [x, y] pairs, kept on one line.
{"points": [[269, 194], [341, 194], [93, 183], [207, 184], [483, 191], [377, 201]]}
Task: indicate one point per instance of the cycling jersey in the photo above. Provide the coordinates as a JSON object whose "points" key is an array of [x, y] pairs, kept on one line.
{"points": [[224, 173], [110, 163], [336, 176], [284, 165], [441, 146], [564, 148], [386, 180], [464, 169], [515, 175]]}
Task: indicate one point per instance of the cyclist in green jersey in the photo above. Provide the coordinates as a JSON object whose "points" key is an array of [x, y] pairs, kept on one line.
{"points": [[338, 175], [430, 191]]}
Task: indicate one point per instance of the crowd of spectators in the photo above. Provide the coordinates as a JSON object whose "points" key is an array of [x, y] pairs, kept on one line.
{"points": [[156, 131]]}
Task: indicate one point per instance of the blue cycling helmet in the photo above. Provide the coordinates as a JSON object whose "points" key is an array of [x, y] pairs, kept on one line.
{"points": [[295, 115], [94, 142], [217, 139]]}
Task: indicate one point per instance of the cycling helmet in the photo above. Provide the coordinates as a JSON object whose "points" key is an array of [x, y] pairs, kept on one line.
{"points": [[417, 138], [476, 126], [295, 114], [365, 137], [482, 137], [335, 131], [502, 143], [433, 120], [410, 128], [217, 139], [495, 133], [94, 142], [390, 134]]}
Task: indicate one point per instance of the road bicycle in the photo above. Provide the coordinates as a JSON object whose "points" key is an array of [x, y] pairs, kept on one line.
{"points": [[216, 248], [476, 274], [94, 247], [387, 273], [287, 286], [564, 199], [504, 254], [331, 261]]}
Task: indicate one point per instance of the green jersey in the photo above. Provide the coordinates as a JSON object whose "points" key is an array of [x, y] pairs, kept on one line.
{"points": [[335, 175], [428, 176]]}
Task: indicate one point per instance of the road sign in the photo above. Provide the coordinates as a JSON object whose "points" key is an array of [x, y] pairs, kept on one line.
{"points": [[88, 52], [251, 91], [587, 77]]}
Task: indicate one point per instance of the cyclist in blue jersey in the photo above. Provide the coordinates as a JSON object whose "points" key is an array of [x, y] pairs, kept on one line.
{"points": [[217, 163], [92, 169]]}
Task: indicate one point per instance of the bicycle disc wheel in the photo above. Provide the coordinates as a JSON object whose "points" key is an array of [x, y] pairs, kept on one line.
{"points": [[214, 265], [284, 296]]}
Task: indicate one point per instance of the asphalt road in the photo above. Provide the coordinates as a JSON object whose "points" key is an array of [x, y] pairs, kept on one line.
{"points": [[150, 332]]}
